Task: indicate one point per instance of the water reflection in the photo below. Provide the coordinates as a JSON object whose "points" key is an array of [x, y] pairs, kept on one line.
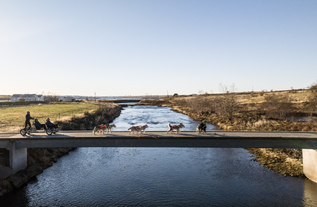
{"points": [[158, 176]]}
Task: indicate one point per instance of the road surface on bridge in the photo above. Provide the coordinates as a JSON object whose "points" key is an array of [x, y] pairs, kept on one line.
{"points": [[164, 135]]}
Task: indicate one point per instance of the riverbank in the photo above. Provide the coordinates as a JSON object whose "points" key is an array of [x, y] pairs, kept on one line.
{"points": [[41, 158], [12, 118], [269, 111]]}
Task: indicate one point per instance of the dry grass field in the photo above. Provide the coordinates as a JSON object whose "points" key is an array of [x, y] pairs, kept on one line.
{"points": [[5, 97], [261, 111], [293, 110]]}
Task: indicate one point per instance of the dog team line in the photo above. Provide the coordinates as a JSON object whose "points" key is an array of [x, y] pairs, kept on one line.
{"points": [[201, 128]]}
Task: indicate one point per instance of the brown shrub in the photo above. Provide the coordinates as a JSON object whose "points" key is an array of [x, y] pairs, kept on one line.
{"points": [[201, 105], [313, 88], [277, 107], [305, 128]]}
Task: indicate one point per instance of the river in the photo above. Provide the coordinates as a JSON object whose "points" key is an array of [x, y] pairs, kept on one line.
{"points": [[161, 176]]}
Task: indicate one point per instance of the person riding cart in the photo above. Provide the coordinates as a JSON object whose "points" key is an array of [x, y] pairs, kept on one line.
{"points": [[38, 125], [50, 125]]}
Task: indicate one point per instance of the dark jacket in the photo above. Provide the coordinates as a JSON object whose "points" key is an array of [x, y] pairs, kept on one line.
{"points": [[28, 117], [202, 125], [49, 123], [37, 122]]}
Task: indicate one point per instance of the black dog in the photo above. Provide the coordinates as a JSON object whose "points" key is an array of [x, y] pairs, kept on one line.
{"points": [[201, 128]]}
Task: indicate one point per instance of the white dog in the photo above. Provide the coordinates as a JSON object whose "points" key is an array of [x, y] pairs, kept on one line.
{"points": [[102, 128], [175, 127], [137, 129]]}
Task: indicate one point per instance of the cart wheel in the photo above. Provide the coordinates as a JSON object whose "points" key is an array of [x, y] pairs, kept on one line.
{"points": [[49, 132], [23, 132]]}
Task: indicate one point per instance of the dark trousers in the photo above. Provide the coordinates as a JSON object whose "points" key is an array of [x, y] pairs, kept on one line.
{"points": [[27, 122], [40, 126], [53, 126]]}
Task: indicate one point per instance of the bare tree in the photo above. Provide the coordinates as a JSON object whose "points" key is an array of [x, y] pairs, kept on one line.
{"points": [[312, 105], [22, 97], [201, 105], [226, 105], [50, 97], [313, 87]]}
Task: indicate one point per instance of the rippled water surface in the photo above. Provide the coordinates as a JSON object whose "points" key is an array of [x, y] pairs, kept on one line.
{"points": [[155, 117], [161, 176]]}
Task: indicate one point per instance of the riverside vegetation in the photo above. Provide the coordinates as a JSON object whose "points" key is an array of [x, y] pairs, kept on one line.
{"points": [[293, 110], [68, 116]]}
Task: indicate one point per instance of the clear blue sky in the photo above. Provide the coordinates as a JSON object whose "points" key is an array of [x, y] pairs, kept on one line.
{"points": [[137, 47]]}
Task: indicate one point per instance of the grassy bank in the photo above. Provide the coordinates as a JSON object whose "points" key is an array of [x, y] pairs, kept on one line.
{"points": [[12, 119], [104, 114], [261, 111]]}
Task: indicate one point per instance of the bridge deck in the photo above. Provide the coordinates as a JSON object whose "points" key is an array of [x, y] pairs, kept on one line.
{"points": [[221, 139]]}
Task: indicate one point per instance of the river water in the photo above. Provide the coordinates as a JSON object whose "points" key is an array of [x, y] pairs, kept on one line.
{"points": [[161, 176]]}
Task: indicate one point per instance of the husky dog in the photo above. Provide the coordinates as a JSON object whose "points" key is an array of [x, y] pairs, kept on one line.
{"points": [[109, 126], [133, 129], [143, 127], [174, 127], [201, 128], [137, 129], [99, 128]]}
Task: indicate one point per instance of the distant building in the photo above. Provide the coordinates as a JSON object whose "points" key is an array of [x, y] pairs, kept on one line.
{"points": [[27, 97], [39, 98], [69, 99]]}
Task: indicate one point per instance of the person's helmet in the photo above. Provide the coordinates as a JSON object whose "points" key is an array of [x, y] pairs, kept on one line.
{"points": [[27, 111], [35, 119], [47, 119]]}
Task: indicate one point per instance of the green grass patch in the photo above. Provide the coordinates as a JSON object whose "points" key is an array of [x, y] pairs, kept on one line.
{"points": [[15, 117]]}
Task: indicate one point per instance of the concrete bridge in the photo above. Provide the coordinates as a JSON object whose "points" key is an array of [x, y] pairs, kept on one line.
{"points": [[212, 139]]}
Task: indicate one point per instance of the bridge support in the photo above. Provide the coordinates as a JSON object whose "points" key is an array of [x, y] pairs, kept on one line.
{"points": [[18, 157], [310, 164]]}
